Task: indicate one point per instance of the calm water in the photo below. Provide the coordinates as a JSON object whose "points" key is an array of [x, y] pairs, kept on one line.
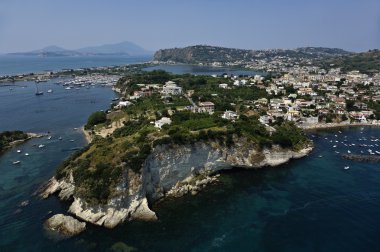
{"points": [[202, 70], [12, 64], [311, 204]]}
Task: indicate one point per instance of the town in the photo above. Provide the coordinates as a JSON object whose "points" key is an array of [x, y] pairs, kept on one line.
{"points": [[310, 97]]}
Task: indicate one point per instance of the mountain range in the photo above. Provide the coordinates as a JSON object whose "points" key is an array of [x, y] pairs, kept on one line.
{"points": [[125, 48]]}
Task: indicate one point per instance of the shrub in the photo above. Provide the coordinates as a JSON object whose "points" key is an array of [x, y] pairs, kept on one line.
{"points": [[96, 118]]}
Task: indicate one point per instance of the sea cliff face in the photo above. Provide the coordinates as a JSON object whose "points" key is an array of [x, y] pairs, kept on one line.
{"points": [[170, 170]]}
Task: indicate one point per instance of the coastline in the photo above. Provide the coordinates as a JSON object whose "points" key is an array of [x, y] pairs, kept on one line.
{"points": [[336, 125], [86, 134]]}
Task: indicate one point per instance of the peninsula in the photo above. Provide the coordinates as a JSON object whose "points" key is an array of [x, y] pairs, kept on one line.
{"points": [[11, 138], [170, 135], [167, 140]]}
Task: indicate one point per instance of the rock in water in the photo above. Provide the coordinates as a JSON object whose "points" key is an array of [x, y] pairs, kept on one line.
{"points": [[65, 225]]}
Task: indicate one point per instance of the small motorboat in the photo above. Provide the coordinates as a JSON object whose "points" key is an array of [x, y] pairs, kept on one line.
{"points": [[16, 162], [334, 146], [49, 137], [27, 154], [346, 167], [348, 151], [60, 138], [41, 146], [18, 151]]}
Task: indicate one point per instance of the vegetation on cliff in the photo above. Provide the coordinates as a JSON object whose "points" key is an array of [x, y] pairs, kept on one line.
{"points": [[7, 137], [98, 169]]}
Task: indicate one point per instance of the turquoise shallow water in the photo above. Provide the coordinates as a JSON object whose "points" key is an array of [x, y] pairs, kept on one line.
{"points": [[311, 204]]}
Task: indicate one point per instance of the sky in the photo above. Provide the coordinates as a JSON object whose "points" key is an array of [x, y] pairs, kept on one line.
{"points": [[352, 25]]}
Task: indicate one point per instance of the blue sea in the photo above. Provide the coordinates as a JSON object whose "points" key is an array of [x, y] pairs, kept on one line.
{"points": [[310, 204], [202, 70], [17, 64]]}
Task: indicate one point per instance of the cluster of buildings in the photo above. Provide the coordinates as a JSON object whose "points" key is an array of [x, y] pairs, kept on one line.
{"points": [[310, 98], [305, 97]]}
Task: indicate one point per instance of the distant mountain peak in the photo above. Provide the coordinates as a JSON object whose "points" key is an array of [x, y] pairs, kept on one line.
{"points": [[125, 48]]}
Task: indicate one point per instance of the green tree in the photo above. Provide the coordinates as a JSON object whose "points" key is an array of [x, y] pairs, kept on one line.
{"points": [[96, 118]]}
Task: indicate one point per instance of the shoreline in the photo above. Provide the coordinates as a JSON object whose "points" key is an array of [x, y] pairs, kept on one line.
{"points": [[336, 125], [33, 76], [86, 134]]}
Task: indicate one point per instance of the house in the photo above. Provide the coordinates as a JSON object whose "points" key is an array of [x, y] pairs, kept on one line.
{"points": [[230, 115], [266, 119], [162, 122], [206, 107], [122, 104], [292, 115], [358, 116], [171, 88], [305, 91], [223, 85]]}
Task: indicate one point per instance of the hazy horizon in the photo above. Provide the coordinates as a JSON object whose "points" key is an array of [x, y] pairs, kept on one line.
{"points": [[153, 25]]}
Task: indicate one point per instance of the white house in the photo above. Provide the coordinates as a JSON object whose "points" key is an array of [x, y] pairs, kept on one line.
{"points": [[206, 107], [223, 85], [170, 88], [122, 104], [230, 115], [162, 122]]}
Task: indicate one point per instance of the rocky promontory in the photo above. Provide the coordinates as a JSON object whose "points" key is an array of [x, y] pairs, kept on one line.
{"points": [[169, 170]]}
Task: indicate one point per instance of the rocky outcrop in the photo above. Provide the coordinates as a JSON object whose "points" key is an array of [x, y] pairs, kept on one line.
{"points": [[64, 187], [166, 166], [170, 170], [65, 225], [115, 212]]}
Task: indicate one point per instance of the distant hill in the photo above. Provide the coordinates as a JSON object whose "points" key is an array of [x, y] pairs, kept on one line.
{"points": [[124, 48], [366, 62], [49, 51], [209, 54]]}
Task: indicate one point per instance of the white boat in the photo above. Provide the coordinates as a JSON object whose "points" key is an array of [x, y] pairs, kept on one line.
{"points": [[72, 140], [346, 167], [50, 91], [49, 137], [41, 146], [377, 152], [16, 162], [27, 154], [348, 151], [18, 151], [38, 92], [68, 88], [60, 138], [334, 146]]}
